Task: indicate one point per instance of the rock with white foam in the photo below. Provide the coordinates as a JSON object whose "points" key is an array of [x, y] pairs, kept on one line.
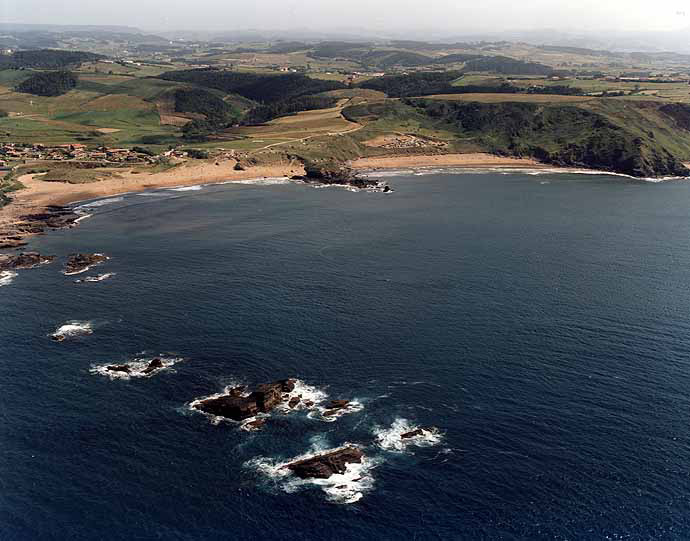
{"points": [[325, 465], [137, 368]]}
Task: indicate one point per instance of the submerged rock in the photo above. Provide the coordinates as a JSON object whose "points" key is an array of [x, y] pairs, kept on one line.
{"points": [[78, 263], [27, 260], [325, 465]]}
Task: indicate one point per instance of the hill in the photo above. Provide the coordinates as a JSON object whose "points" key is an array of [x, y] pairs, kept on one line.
{"points": [[52, 83], [254, 86], [47, 59], [507, 66], [632, 138]]}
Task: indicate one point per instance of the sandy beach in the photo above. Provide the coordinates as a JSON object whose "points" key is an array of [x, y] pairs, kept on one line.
{"points": [[39, 194], [443, 160]]}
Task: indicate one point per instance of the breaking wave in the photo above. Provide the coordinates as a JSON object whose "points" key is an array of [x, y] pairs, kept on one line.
{"points": [[269, 181], [98, 278], [194, 188], [345, 488], [98, 203], [390, 439], [137, 368], [533, 171], [7, 277]]}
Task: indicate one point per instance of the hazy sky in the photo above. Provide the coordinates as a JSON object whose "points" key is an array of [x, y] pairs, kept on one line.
{"points": [[384, 15]]}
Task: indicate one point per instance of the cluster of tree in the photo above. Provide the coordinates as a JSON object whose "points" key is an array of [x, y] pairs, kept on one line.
{"points": [[51, 83], [340, 49], [388, 59], [560, 90], [456, 58], [508, 66], [254, 86], [562, 135], [203, 102], [285, 47], [264, 113], [46, 59], [413, 84]]}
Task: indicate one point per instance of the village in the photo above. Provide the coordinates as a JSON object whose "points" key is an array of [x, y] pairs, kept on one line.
{"points": [[12, 154]]}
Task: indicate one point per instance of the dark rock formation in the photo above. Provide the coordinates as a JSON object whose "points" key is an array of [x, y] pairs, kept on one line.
{"points": [[334, 406], [255, 425], [155, 364], [412, 434], [119, 368], [80, 262], [294, 402], [58, 338], [28, 260], [327, 464], [238, 406]]}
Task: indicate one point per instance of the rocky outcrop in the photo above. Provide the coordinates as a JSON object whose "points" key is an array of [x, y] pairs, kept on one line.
{"points": [[239, 405], [325, 465], [153, 365], [339, 174], [78, 263], [28, 260], [415, 433]]}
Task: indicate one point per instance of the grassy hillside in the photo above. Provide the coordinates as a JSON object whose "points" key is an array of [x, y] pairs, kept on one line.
{"points": [[625, 137]]}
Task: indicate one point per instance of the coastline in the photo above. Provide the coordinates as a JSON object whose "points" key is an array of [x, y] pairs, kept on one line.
{"points": [[38, 196], [34, 207]]}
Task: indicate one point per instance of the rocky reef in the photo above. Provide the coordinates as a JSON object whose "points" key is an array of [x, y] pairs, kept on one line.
{"points": [[78, 263], [327, 464], [153, 365], [239, 404], [27, 260], [51, 217]]}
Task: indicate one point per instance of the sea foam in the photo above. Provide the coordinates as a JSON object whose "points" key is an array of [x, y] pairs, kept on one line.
{"points": [[390, 438], [137, 367], [7, 277], [345, 488], [72, 329]]}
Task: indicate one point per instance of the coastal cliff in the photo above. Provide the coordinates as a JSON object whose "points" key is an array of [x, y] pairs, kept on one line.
{"points": [[636, 138]]}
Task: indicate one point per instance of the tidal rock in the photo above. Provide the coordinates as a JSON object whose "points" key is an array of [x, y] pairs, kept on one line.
{"points": [[327, 464], [28, 260], [412, 434], [78, 263], [58, 338]]}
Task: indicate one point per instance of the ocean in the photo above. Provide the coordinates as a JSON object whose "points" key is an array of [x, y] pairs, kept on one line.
{"points": [[539, 323]]}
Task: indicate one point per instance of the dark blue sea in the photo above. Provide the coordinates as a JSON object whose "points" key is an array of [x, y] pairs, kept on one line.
{"points": [[540, 322]]}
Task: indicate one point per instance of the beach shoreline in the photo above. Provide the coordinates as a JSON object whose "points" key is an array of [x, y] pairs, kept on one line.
{"points": [[38, 196]]}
